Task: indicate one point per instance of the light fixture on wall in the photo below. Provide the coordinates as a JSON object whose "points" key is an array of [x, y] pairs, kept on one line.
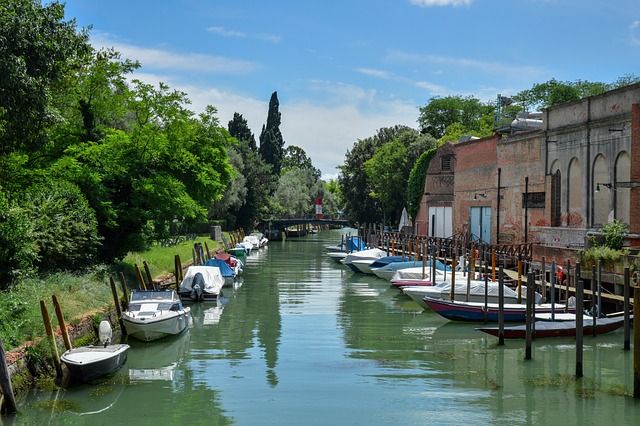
{"points": [[616, 185], [606, 185], [479, 195]]}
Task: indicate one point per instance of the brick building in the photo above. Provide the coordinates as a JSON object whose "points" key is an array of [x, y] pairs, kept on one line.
{"points": [[552, 185]]}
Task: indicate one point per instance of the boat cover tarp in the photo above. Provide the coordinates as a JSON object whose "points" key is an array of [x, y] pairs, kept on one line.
{"points": [[213, 279], [225, 269]]}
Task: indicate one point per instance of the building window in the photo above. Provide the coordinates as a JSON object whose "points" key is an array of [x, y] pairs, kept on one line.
{"points": [[533, 200], [446, 163]]}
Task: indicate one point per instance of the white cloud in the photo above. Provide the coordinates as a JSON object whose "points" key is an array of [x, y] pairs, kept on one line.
{"points": [[168, 60], [339, 92], [374, 73], [484, 66], [431, 3], [434, 89], [272, 38], [634, 29]]}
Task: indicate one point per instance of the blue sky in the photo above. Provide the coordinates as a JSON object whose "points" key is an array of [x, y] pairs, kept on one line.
{"points": [[344, 69]]}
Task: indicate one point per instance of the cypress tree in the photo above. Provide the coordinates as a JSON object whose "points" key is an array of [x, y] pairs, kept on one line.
{"points": [[239, 129], [271, 142]]}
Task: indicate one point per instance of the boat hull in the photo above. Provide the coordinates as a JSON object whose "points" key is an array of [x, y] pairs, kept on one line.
{"points": [[148, 329], [457, 311], [557, 329], [87, 363]]}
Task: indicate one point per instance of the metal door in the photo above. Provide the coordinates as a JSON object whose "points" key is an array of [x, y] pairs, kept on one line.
{"points": [[480, 224]]}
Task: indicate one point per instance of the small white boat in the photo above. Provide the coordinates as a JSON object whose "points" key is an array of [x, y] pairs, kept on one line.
{"points": [[201, 283], [371, 254], [337, 255], [86, 363], [155, 314]]}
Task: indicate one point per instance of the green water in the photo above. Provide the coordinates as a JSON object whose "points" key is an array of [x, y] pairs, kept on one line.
{"points": [[303, 341]]}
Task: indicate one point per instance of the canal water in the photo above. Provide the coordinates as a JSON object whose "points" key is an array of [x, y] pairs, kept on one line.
{"points": [[304, 341]]}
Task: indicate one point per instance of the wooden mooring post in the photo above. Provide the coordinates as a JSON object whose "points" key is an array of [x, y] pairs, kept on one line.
{"points": [[636, 341], [116, 302], [125, 293], [139, 277], [9, 405], [627, 323], [52, 340], [501, 306], [579, 310], [61, 323], [148, 274]]}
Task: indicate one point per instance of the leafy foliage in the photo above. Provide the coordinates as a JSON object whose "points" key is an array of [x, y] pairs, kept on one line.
{"points": [[415, 185], [239, 129], [294, 193], [614, 234], [468, 112], [296, 158], [18, 252]]}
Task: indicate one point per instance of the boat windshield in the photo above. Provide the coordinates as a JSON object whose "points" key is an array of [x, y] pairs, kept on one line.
{"points": [[139, 296]]}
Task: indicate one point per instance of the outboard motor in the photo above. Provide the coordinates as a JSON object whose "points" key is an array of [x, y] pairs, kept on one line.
{"points": [[105, 333], [197, 287]]}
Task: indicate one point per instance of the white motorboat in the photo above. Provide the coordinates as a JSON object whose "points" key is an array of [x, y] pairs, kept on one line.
{"points": [[442, 290], [337, 255], [90, 362], [201, 283], [153, 314], [371, 254]]}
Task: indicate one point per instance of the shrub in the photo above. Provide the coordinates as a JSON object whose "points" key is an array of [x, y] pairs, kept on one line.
{"points": [[18, 253], [614, 234]]}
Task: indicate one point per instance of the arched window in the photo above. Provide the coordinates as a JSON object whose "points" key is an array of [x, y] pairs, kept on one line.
{"points": [[601, 196], [575, 196], [622, 195]]}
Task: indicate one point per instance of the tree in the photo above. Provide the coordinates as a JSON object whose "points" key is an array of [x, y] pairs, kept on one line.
{"points": [[354, 184], [236, 193], [271, 141], [260, 184], [417, 177], [440, 113], [38, 51], [294, 194], [18, 252], [296, 158], [239, 129]]}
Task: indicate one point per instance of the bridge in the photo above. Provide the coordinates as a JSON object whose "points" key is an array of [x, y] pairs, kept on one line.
{"points": [[271, 226]]}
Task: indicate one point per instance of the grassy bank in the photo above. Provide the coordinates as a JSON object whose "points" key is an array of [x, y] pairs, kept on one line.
{"points": [[79, 294]]}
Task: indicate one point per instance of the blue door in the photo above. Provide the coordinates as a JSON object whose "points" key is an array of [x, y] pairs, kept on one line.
{"points": [[480, 224]]}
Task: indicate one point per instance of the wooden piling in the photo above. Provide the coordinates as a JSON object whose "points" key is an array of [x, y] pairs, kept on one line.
{"points": [[579, 308], [180, 268], [627, 323], [176, 270], [61, 323], [453, 278], [393, 247], [141, 284], [552, 278], [500, 306], [543, 280], [116, 302], [529, 317], [594, 307], [10, 406], [636, 341], [51, 338], [424, 260], [486, 297], [148, 273], [519, 280], [468, 284], [125, 293], [493, 264], [207, 252]]}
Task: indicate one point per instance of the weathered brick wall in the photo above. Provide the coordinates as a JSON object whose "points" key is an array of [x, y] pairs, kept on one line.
{"points": [[634, 213], [438, 187]]}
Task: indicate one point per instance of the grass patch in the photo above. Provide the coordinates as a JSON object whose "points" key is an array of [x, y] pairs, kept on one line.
{"points": [[20, 315], [160, 259]]}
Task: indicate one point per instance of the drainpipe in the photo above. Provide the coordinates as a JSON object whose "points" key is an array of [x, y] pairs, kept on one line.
{"points": [[498, 210], [526, 209]]}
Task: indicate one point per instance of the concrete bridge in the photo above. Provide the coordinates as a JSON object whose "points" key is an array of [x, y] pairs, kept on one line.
{"points": [[273, 227]]}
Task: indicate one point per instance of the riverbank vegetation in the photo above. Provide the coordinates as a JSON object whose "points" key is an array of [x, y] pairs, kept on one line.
{"points": [[96, 163]]}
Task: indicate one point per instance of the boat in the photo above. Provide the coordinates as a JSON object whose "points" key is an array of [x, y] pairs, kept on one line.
{"points": [[338, 256], [87, 363], [353, 243], [228, 273], [562, 328], [372, 254], [262, 240], [442, 290], [234, 263], [252, 240], [201, 283], [154, 314], [474, 311], [387, 271], [366, 266]]}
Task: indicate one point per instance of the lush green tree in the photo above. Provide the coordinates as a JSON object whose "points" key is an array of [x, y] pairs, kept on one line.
{"points": [[296, 158], [439, 113], [271, 141], [236, 193], [295, 193], [64, 225], [354, 184], [239, 129], [38, 50], [18, 252]]}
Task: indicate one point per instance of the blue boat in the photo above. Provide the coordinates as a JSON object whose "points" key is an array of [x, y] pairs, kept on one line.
{"points": [[225, 269]]}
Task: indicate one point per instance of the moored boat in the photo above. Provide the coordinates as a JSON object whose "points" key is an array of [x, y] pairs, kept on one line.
{"points": [[562, 328], [371, 254], [473, 311], [87, 363], [153, 314], [201, 283]]}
